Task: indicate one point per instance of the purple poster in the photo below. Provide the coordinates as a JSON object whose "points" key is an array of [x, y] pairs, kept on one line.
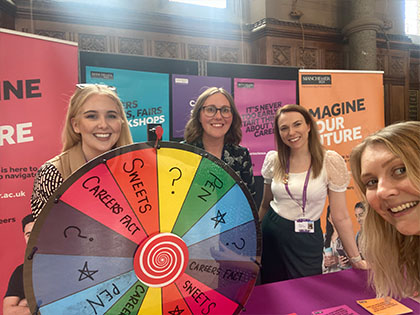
{"points": [[257, 101], [185, 91]]}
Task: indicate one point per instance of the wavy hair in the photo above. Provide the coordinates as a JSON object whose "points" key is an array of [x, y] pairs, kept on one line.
{"points": [[194, 130], [283, 151], [78, 99], [393, 257]]}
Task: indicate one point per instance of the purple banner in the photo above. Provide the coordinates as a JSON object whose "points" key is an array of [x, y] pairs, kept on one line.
{"points": [[185, 91], [257, 101]]}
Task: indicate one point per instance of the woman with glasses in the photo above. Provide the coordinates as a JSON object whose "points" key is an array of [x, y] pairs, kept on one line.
{"points": [[95, 124], [215, 126]]}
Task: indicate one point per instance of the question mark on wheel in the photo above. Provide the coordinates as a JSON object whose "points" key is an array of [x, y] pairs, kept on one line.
{"points": [[236, 245], [79, 232], [177, 178]]}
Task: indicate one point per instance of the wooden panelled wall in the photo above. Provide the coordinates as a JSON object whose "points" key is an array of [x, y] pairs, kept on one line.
{"points": [[318, 47], [268, 41]]}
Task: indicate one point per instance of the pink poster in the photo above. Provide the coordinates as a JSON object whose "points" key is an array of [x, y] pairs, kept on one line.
{"points": [[257, 101], [37, 77]]}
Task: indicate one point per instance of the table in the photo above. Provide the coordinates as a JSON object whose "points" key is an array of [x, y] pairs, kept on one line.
{"points": [[304, 295]]}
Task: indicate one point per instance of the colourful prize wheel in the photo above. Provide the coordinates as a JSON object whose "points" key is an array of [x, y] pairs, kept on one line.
{"points": [[145, 230]]}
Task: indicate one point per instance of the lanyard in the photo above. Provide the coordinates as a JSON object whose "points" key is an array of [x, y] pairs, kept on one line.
{"points": [[305, 186]]}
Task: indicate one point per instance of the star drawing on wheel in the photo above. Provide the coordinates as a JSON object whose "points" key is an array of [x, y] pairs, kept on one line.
{"points": [[86, 272], [176, 311], [219, 218], [150, 268]]}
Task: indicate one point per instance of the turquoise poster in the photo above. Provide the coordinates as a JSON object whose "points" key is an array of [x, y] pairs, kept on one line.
{"points": [[145, 96]]}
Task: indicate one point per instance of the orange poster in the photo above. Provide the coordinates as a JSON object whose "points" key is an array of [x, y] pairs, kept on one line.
{"points": [[347, 106]]}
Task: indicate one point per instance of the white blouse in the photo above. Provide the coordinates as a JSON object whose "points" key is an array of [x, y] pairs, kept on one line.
{"points": [[334, 176]]}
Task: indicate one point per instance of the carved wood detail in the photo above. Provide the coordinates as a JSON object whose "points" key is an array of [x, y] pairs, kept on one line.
{"points": [[166, 49], [281, 55], [50, 33], [228, 54], [414, 73], [334, 60], [92, 42], [380, 62], [396, 68], [308, 58], [198, 52], [132, 46]]}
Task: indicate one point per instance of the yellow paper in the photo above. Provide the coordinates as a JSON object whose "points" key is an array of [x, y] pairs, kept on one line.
{"points": [[384, 306]]}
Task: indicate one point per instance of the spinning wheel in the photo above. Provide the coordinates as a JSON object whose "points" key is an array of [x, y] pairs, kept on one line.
{"points": [[166, 230]]}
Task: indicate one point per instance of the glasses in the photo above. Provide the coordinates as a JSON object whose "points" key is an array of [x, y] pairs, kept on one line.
{"points": [[211, 111], [85, 85]]}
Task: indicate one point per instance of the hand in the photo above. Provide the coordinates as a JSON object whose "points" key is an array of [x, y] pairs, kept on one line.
{"points": [[330, 261], [343, 261], [14, 305], [23, 302]]}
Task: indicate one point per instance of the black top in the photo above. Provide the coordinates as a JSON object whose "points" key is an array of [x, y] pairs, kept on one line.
{"points": [[47, 181], [15, 287], [238, 158]]}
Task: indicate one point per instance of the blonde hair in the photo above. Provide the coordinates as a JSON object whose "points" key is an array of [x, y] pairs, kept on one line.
{"points": [[194, 130], [283, 151], [78, 99], [394, 257]]}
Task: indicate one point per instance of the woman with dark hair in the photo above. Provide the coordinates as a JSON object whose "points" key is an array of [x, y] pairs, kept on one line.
{"points": [[215, 126], [298, 177]]}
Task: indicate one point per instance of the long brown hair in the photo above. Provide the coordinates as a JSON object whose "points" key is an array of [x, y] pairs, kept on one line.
{"points": [[283, 151], [194, 130]]}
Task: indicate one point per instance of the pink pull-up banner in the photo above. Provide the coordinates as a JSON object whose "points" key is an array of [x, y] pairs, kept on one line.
{"points": [[37, 77]]}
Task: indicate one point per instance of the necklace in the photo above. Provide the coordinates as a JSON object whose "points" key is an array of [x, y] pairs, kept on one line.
{"points": [[286, 178]]}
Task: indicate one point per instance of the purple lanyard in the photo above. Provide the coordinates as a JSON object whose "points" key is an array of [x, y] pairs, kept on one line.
{"points": [[305, 186]]}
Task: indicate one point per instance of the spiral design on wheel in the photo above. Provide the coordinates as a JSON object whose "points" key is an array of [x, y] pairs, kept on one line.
{"points": [[161, 259]]}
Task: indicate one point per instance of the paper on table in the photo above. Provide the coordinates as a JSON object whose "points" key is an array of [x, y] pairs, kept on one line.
{"points": [[337, 310], [384, 306]]}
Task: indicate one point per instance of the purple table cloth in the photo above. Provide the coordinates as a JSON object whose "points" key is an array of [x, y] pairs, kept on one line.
{"points": [[305, 295]]}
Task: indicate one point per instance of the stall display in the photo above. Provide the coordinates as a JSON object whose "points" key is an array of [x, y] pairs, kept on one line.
{"points": [[154, 227]]}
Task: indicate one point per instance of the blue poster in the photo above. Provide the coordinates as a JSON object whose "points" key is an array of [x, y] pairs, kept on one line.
{"points": [[145, 96]]}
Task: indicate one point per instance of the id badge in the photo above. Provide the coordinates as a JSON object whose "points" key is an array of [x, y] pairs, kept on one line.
{"points": [[304, 226]]}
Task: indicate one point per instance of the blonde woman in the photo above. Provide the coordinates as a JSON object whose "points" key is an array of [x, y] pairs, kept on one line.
{"points": [[386, 169], [298, 177], [95, 124]]}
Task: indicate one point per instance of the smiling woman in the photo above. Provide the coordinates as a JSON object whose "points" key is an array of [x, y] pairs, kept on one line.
{"points": [[215, 126], [95, 123], [385, 167], [298, 177], [99, 124]]}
